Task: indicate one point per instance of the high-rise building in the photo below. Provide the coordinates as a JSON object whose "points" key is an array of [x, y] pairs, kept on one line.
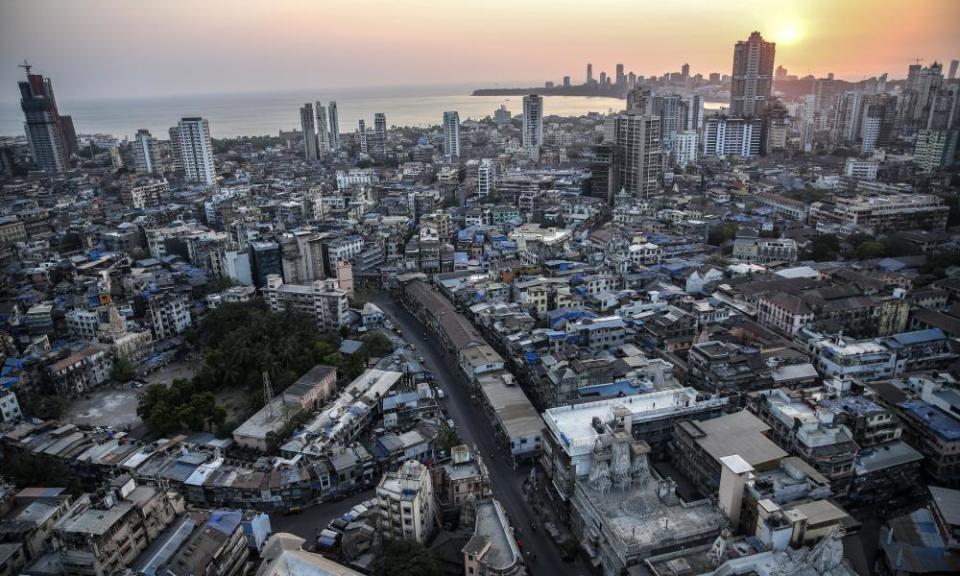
{"points": [[935, 149], [196, 151], [486, 178], [362, 135], [877, 121], [685, 71], [672, 109], [636, 157], [175, 151], [589, 74], [502, 116], [621, 78], [566, 81], [48, 143], [752, 77], [953, 69], [323, 134], [685, 148], [807, 122], [533, 123], [380, 130], [309, 132], [694, 112], [146, 153], [639, 100], [451, 135], [846, 123], [334, 125], [69, 135], [738, 137]]}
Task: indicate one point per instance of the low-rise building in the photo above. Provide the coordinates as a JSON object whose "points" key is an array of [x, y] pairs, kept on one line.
{"points": [[492, 550], [572, 432], [799, 426]]}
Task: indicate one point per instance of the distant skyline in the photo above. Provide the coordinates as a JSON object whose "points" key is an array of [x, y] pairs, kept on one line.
{"points": [[116, 48]]}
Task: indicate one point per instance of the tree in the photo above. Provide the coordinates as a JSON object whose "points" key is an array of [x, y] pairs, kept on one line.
{"points": [[720, 234], [122, 371], [871, 249], [406, 558], [167, 410], [447, 438], [824, 247], [377, 345]]}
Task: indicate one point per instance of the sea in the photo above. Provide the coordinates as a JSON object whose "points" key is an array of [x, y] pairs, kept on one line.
{"points": [[266, 113]]}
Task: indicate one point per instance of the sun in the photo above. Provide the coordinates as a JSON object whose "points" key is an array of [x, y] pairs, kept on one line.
{"points": [[788, 34]]}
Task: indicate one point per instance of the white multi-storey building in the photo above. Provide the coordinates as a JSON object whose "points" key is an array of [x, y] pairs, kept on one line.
{"points": [[861, 169], [322, 300], [196, 151], [685, 148], [170, 314], [486, 177], [725, 137], [451, 135], [406, 505]]}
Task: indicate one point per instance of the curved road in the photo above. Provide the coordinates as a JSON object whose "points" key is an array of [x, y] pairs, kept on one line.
{"points": [[475, 430]]}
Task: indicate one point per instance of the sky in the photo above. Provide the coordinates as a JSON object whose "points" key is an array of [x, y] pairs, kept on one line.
{"points": [[121, 48]]}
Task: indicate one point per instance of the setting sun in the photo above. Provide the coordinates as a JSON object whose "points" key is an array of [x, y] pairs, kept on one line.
{"points": [[788, 34]]}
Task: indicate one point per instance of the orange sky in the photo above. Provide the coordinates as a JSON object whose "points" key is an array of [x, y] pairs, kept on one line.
{"points": [[98, 48]]}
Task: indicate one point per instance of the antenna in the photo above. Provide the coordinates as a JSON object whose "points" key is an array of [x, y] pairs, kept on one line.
{"points": [[917, 60], [26, 66]]}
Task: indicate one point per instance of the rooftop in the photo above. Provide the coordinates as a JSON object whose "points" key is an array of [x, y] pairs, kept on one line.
{"points": [[573, 425]]}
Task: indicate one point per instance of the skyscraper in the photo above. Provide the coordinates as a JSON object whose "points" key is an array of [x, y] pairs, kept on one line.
{"points": [[146, 153], [673, 112], [752, 75], [589, 74], [48, 143], [196, 151], [953, 69], [362, 134], [636, 157], [807, 122], [451, 135], [380, 131], [685, 71], [621, 79], [175, 151], [323, 135], [533, 123], [334, 125], [309, 132]]}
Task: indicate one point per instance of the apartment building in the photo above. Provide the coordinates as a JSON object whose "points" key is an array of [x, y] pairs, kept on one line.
{"points": [[406, 502], [322, 300]]}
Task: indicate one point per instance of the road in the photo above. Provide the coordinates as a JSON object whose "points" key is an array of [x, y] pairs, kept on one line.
{"points": [[310, 522], [475, 430]]}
